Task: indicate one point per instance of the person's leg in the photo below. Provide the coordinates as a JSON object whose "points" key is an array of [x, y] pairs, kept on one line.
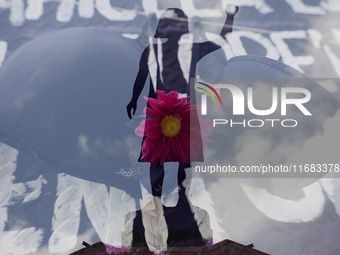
{"points": [[155, 226], [156, 178], [183, 201], [181, 174]]}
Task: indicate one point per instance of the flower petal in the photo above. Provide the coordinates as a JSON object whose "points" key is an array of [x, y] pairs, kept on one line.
{"points": [[153, 113], [153, 132], [178, 150], [147, 146], [158, 149], [185, 142], [161, 95], [177, 108], [165, 151], [181, 150], [153, 103], [164, 108], [172, 98], [188, 143], [140, 129]]}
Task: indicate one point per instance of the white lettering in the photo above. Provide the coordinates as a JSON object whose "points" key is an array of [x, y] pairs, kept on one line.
{"points": [[335, 61], [86, 8], [238, 123], [105, 211], [220, 121], [65, 11], [3, 50], [272, 120], [260, 5], [104, 7], [234, 40], [255, 120], [16, 16], [298, 6], [262, 112], [34, 9], [287, 56], [297, 101], [291, 120]]}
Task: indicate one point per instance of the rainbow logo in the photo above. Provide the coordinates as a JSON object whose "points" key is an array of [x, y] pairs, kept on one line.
{"points": [[207, 91]]}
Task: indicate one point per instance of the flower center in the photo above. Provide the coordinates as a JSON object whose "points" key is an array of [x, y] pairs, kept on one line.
{"points": [[171, 126]]}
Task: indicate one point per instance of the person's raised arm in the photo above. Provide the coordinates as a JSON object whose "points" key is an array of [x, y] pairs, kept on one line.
{"points": [[139, 83], [215, 44], [231, 11]]}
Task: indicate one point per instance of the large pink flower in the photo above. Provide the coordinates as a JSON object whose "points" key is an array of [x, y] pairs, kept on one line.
{"points": [[173, 131]]}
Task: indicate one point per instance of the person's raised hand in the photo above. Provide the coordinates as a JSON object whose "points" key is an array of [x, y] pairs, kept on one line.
{"points": [[231, 9]]}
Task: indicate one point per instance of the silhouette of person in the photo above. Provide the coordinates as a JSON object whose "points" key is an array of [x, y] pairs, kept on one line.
{"points": [[168, 76], [172, 25]]}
